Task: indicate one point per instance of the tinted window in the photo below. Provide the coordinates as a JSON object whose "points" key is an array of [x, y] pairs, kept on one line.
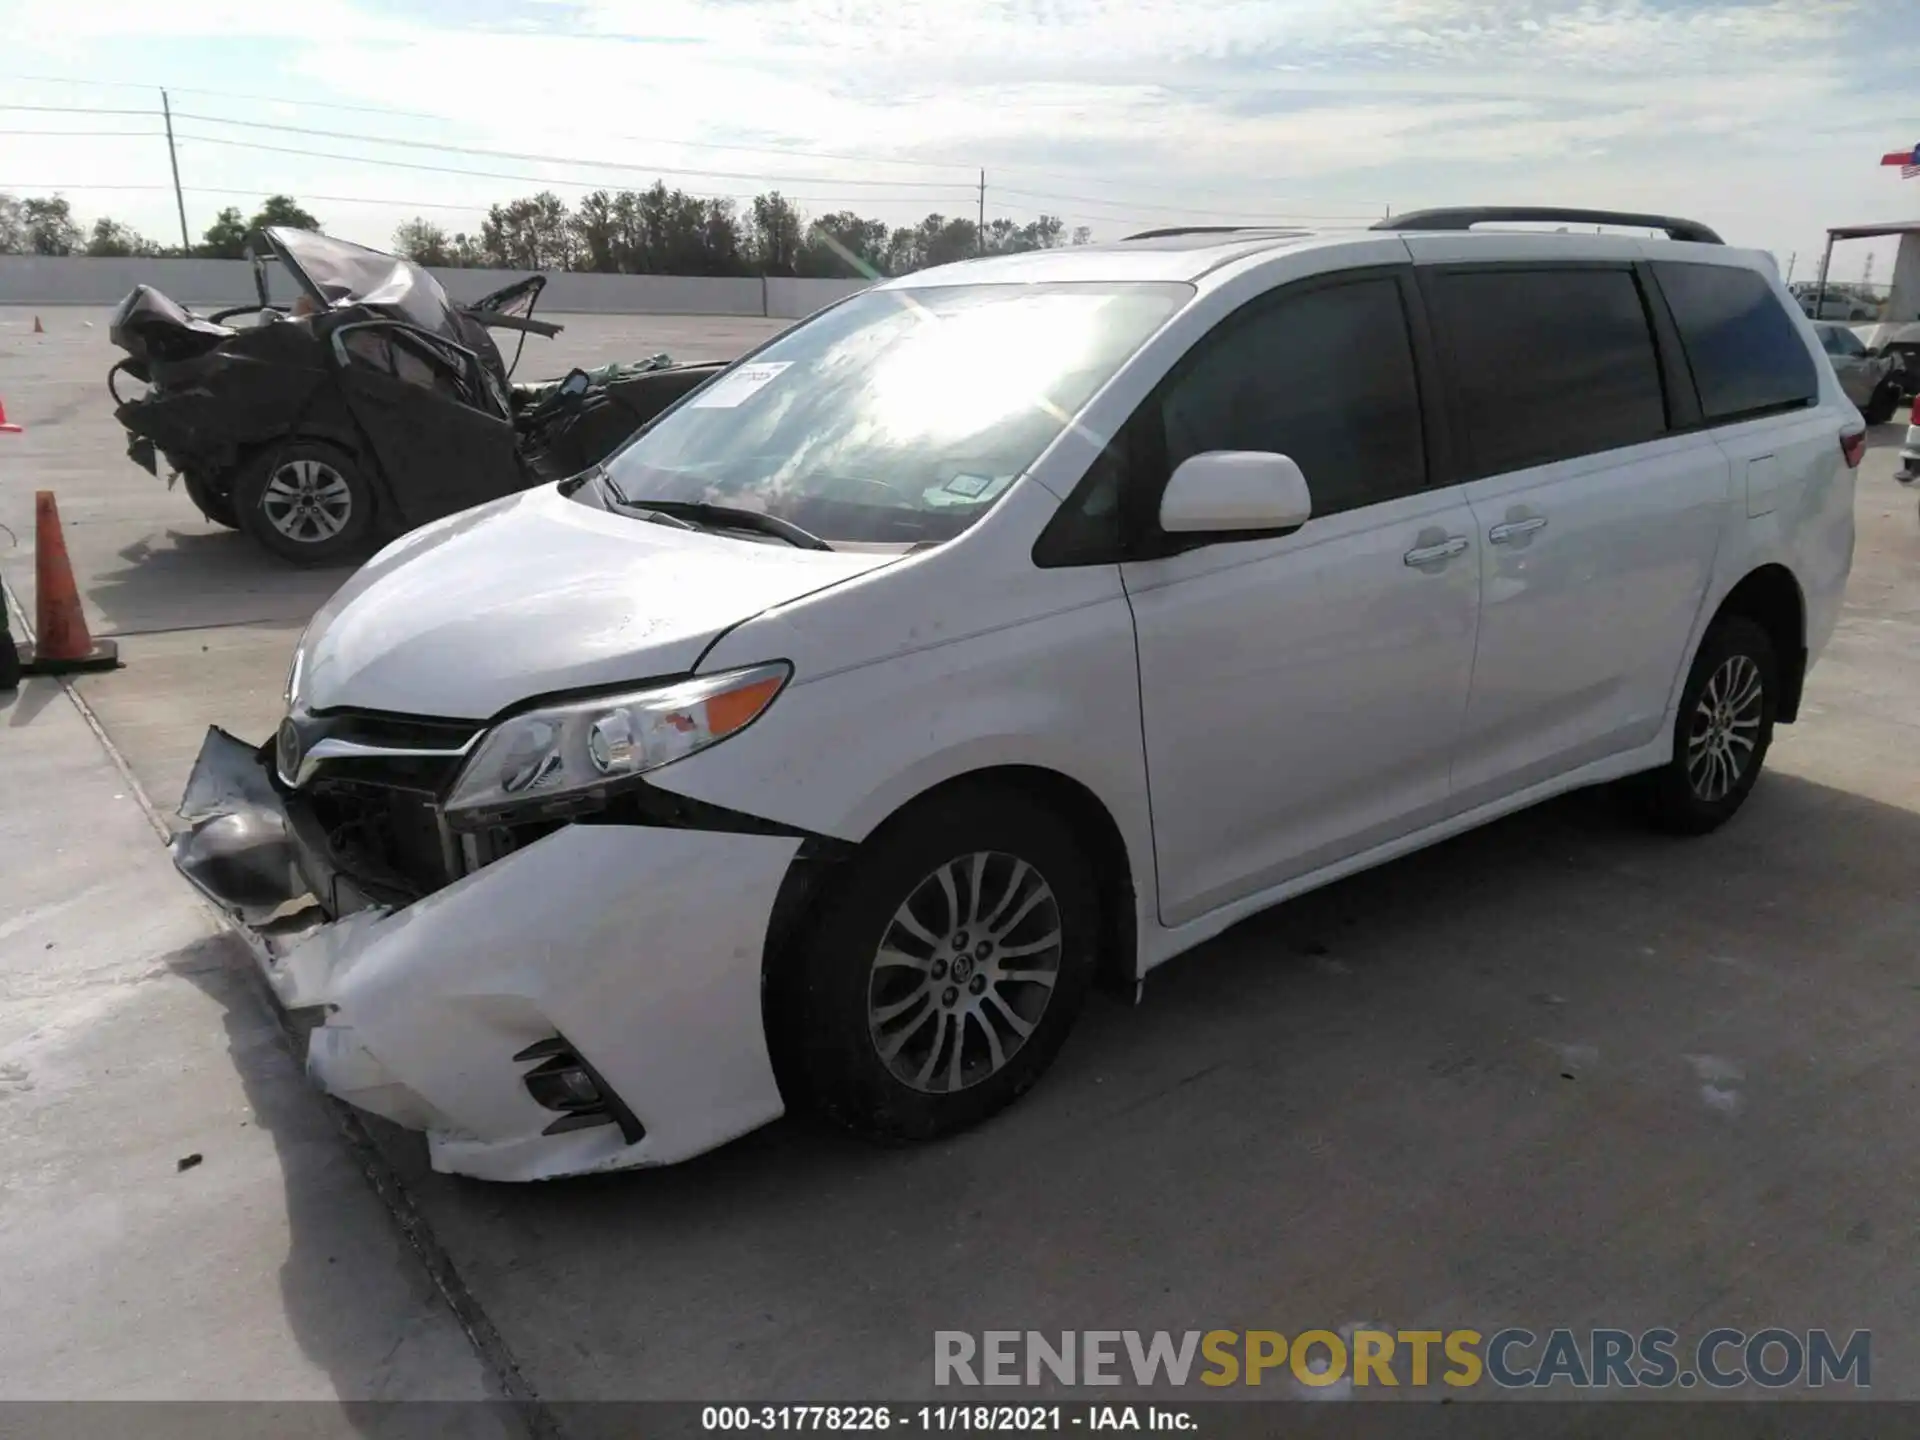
{"points": [[1549, 364], [1325, 377], [1745, 351]]}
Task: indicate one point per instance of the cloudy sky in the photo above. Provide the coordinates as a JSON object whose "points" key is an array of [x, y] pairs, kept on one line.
{"points": [[1766, 118]]}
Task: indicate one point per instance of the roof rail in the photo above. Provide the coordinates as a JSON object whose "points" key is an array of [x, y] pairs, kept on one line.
{"points": [[1466, 218], [1205, 230]]}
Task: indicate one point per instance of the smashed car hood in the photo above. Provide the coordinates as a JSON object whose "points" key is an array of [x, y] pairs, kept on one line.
{"points": [[535, 594]]}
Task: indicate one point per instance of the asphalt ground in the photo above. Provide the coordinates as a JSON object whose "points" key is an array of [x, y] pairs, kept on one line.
{"points": [[1558, 1072]]}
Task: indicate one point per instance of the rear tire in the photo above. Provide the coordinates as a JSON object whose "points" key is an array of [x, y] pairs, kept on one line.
{"points": [[306, 501], [1723, 731], [943, 974], [1881, 404]]}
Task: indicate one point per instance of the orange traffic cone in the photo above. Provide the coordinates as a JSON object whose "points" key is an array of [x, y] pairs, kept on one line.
{"points": [[5, 428], [37, 329], [61, 642]]}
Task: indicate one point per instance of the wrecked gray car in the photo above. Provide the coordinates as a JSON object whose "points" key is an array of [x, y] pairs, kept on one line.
{"points": [[371, 405]]}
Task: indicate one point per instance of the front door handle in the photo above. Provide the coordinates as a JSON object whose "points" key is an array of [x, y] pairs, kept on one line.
{"points": [[1443, 550], [1513, 529]]}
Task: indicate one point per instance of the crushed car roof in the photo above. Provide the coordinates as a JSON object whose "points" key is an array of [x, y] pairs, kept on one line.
{"points": [[338, 272]]}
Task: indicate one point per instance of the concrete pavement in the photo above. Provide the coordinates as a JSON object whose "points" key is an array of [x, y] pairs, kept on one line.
{"points": [[179, 1218], [1558, 1072]]}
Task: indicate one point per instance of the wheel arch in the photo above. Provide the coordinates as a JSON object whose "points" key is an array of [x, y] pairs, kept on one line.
{"points": [[345, 440], [1771, 597], [816, 865]]}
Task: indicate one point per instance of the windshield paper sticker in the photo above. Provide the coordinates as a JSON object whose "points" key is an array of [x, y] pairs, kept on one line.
{"points": [[739, 386]]}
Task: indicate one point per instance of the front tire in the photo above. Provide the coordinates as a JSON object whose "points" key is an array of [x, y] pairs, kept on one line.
{"points": [[1722, 733], [945, 971], [306, 501]]}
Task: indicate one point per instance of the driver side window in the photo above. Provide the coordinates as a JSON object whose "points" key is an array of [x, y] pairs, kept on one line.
{"points": [[1324, 376]]}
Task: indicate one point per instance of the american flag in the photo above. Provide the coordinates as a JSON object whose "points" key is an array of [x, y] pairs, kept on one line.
{"points": [[1907, 172]]}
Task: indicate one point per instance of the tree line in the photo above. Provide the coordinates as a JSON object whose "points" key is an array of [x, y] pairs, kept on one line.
{"points": [[663, 231], [657, 231], [44, 225]]}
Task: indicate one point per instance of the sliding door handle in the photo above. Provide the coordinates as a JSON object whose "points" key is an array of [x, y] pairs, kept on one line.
{"points": [[1513, 529]]}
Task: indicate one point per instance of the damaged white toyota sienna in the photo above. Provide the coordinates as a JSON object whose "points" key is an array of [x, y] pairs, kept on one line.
{"points": [[1014, 626]]}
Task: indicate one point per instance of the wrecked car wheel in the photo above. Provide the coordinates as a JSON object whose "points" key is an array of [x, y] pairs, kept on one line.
{"points": [[306, 501], [209, 502], [944, 974]]}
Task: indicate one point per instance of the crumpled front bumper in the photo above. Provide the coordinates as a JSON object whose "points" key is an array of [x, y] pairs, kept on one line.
{"points": [[637, 949]]}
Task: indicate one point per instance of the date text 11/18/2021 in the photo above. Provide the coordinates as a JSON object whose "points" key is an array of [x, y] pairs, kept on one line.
{"points": [[945, 1419]]}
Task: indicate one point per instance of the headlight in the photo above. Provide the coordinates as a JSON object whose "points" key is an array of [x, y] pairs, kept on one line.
{"points": [[292, 691], [562, 759]]}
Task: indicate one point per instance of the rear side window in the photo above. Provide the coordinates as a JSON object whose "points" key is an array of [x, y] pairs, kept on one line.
{"points": [[1325, 377], [1549, 364], [1745, 351]]}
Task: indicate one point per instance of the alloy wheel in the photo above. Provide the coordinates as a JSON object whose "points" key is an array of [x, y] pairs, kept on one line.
{"points": [[307, 501], [964, 972], [1725, 728]]}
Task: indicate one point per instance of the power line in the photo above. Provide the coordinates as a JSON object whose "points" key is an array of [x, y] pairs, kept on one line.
{"points": [[21, 185], [455, 120], [1132, 207], [442, 148], [1007, 168], [397, 202], [949, 191], [106, 134], [73, 110], [1107, 210], [542, 179]]}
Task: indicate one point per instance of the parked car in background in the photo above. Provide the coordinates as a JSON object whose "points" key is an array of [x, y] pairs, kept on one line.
{"points": [[1836, 304], [371, 405], [1872, 382], [1901, 342], [1013, 626]]}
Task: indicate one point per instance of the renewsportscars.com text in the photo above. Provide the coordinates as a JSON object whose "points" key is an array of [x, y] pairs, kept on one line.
{"points": [[1511, 1358]]}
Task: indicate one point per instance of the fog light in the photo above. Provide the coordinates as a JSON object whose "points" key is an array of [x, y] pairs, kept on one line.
{"points": [[560, 1086], [566, 1083]]}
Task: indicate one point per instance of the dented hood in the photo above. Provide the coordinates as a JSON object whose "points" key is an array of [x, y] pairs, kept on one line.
{"points": [[535, 594]]}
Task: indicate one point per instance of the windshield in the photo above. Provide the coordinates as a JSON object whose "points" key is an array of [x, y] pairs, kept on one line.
{"points": [[898, 416]]}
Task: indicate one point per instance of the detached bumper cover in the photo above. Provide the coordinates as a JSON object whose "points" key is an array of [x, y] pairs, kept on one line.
{"points": [[238, 848], [640, 947]]}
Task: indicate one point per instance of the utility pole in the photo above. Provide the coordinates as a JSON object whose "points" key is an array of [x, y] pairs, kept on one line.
{"points": [[173, 158], [1790, 259], [980, 227]]}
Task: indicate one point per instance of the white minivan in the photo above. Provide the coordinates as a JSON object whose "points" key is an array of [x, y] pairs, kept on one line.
{"points": [[1013, 626]]}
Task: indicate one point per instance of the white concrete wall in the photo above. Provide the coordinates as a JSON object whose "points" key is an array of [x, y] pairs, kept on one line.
{"points": [[1904, 299], [213, 284]]}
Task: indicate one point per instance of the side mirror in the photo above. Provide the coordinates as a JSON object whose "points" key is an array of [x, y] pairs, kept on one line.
{"points": [[1235, 492]]}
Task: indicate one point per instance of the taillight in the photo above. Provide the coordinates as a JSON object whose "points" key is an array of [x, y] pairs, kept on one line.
{"points": [[1853, 447], [1914, 418]]}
